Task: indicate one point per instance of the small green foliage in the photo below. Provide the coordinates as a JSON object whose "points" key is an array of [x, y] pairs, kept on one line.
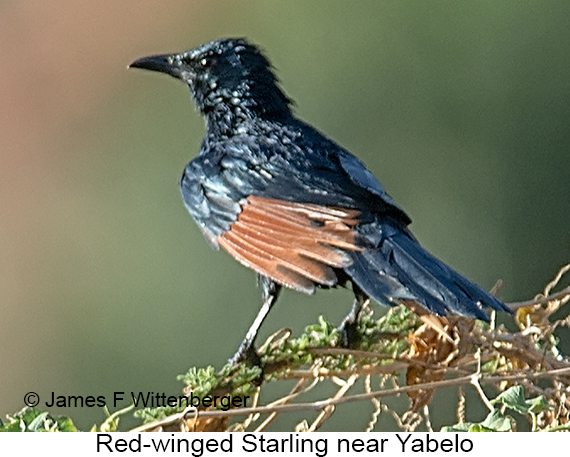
{"points": [[152, 414], [494, 422], [205, 381], [497, 420], [385, 335], [111, 424], [513, 398], [491, 366], [295, 350], [245, 380], [200, 380], [34, 420], [388, 334]]}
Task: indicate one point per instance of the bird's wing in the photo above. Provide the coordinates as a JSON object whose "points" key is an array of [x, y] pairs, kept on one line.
{"points": [[293, 225], [297, 245]]}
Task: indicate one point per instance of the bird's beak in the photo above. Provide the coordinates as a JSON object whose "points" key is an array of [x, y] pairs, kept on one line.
{"points": [[167, 63]]}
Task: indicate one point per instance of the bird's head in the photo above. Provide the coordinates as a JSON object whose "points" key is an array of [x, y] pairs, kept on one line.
{"points": [[229, 76]]}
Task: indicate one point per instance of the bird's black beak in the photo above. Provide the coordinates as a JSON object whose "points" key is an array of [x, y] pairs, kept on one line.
{"points": [[167, 63]]}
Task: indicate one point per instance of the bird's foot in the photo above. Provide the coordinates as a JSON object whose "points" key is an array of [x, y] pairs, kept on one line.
{"points": [[246, 353], [348, 330]]}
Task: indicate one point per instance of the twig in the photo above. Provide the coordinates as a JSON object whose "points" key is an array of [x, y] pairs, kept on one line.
{"points": [[329, 409], [300, 387], [538, 301], [475, 382], [557, 278], [375, 402]]}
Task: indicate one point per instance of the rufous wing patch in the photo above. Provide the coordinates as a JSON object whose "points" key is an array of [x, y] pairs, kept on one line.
{"points": [[295, 244]]}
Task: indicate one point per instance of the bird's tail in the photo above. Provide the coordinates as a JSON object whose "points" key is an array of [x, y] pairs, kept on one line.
{"points": [[398, 269]]}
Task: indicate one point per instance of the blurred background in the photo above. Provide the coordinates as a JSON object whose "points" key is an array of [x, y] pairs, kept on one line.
{"points": [[461, 109]]}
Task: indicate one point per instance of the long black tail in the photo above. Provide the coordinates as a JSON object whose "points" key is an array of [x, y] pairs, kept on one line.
{"points": [[400, 269]]}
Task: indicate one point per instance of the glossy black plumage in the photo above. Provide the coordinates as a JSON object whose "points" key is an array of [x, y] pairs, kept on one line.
{"points": [[255, 146]]}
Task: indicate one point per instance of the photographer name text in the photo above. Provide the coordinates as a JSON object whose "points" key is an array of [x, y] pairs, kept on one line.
{"points": [[147, 400]]}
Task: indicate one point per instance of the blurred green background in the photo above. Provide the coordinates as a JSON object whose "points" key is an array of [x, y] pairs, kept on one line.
{"points": [[461, 109]]}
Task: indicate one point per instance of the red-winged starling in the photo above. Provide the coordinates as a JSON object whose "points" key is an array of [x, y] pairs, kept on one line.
{"points": [[291, 204]]}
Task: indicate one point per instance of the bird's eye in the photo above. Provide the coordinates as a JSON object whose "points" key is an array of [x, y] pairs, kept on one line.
{"points": [[208, 62]]}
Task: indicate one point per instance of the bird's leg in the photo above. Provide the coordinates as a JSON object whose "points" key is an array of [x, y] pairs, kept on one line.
{"points": [[246, 352], [348, 328]]}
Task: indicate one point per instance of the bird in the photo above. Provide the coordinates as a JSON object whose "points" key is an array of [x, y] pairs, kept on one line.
{"points": [[294, 206]]}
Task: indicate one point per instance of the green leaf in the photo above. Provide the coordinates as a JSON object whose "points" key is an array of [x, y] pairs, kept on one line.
{"points": [[461, 427], [494, 422], [65, 424], [40, 423], [538, 405], [111, 424], [513, 398], [34, 420], [497, 422]]}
